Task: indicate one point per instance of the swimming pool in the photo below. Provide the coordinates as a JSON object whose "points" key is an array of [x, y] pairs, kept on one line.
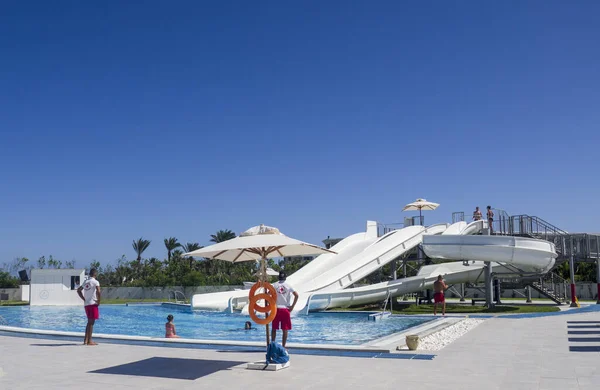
{"points": [[149, 320]]}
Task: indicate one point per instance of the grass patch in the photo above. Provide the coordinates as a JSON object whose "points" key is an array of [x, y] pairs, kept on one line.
{"points": [[14, 303], [467, 309], [119, 301], [461, 309]]}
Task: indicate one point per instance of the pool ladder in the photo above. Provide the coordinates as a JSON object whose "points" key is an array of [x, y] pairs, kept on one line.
{"points": [[177, 293]]}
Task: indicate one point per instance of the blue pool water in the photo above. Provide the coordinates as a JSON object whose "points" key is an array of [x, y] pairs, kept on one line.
{"points": [[149, 320]]}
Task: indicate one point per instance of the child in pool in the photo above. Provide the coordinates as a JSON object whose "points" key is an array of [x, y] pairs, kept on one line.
{"points": [[170, 328]]}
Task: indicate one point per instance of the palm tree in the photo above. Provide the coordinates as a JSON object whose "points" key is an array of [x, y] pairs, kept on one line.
{"points": [[222, 235], [171, 244], [140, 246], [190, 247]]}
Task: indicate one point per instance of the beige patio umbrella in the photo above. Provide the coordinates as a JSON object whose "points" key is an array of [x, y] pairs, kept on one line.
{"points": [[421, 204], [258, 243]]}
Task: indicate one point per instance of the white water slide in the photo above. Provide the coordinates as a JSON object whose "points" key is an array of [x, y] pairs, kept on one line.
{"points": [[324, 282]]}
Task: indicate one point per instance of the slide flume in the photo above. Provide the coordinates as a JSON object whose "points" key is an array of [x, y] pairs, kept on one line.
{"points": [[530, 255], [324, 282]]}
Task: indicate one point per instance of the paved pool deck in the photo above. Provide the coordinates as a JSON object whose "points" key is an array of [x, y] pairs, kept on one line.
{"points": [[549, 352]]}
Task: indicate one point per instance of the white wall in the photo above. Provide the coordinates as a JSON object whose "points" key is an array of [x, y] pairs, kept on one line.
{"points": [[24, 292], [54, 287]]}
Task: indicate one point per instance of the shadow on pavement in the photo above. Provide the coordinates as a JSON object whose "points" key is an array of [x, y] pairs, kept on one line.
{"points": [[171, 368], [56, 345]]}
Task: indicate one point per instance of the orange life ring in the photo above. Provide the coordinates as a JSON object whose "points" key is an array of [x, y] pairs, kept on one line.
{"points": [[270, 297]]}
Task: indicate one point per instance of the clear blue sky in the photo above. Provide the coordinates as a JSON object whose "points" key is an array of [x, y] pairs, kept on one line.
{"points": [[155, 119]]}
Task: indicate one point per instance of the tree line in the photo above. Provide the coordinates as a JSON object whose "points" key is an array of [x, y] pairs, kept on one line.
{"points": [[174, 270]]}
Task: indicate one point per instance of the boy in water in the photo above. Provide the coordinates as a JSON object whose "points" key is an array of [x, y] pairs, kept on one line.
{"points": [[439, 286], [89, 292], [283, 318]]}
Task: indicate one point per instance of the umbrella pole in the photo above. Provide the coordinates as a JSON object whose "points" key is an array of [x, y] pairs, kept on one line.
{"points": [[263, 278]]}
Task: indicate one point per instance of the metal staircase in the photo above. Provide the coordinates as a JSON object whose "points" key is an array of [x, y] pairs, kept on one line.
{"points": [[552, 286]]}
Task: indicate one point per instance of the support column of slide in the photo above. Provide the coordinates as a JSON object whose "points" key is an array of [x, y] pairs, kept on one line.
{"points": [[528, 288], [462, 292], [598, 268], [489, 288], [598, 278], [572, 269]]}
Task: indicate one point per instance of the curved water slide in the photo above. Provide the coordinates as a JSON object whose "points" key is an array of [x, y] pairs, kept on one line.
{"points": [[385, 249], [344, 250], [357, 256], [529, 255]]}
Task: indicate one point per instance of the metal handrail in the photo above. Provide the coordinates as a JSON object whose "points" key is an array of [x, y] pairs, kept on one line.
{"points": [[385, 228], [535, 225], [582, 246], [3, 321], [458, 216], [556, 283], [175, 292]]}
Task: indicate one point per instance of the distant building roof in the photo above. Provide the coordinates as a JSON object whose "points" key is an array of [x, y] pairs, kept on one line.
{"points": [[329, 242]]}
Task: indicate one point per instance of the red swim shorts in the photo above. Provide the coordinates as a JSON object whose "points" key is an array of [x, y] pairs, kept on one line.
{"points": [[438, 297], [282, 320], [92, 313]]}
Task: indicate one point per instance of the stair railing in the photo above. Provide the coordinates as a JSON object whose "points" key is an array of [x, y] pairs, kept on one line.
{"points": [[555, 284]]}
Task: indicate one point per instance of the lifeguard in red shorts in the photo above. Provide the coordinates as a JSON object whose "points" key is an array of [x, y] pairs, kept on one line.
{"points": [[283, 318], [439, 286], [89, 292]]}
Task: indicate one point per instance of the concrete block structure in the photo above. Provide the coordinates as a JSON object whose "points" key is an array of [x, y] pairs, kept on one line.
{"points": [[55, 286]]}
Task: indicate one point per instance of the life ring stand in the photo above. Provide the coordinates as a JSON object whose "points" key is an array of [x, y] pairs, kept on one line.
{"points": [[270, 297]]}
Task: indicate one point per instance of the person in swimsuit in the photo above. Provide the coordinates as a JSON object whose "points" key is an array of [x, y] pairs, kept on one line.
{"points": [[490, 218], [170, 328], [439, 286], [477, 214], [248, 325]]}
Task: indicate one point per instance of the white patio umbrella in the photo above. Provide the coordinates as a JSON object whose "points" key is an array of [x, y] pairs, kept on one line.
{"points": [[420, 204], [258, 243]]}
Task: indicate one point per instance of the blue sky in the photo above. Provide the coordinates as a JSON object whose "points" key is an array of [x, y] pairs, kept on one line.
{"points": [[128, 119]]}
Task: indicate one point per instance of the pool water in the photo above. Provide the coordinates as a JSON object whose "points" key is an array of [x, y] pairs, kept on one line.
{"points": [[149, 320]]}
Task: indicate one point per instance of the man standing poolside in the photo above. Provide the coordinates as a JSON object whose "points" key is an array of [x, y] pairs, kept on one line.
{"points": [[439, 286], [283, 318], [89, 292]]}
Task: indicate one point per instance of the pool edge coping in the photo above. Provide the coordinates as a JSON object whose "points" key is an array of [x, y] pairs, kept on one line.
{"points": [[181, 342]]}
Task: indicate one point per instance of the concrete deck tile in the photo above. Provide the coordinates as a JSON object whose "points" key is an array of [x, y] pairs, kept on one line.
{"points": [[558, 383]]}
